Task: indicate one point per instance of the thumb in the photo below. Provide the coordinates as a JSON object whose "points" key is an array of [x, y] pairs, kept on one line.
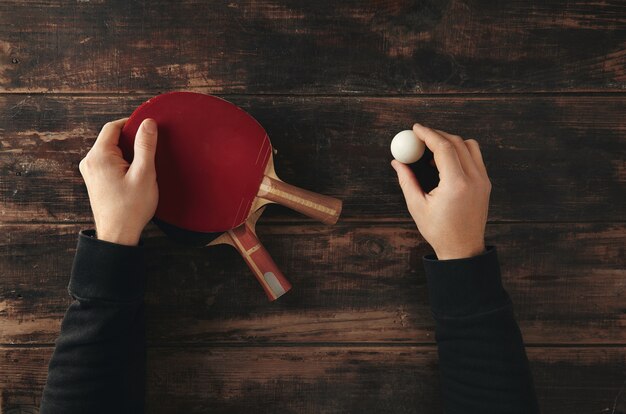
{"points": [[413, 193], [145, 147]]}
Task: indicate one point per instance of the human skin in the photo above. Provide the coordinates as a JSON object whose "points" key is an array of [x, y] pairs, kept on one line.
{"points": [[123, 196], [452, 217]]}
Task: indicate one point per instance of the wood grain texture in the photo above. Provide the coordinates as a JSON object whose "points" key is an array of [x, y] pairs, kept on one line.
{"points": [[326, 379], [351, 283], [549, 158], [539, 84], [301, 47]]}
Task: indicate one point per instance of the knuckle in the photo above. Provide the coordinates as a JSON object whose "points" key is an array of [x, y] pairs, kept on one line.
{"points": [[472, 142], [143, 171], [93, 159], [145, 145], [446, 146], [402, 181], [456, 139], [462, 185]]}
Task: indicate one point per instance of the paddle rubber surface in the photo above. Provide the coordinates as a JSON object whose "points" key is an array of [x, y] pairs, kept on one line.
{"points": [[210, 159]]}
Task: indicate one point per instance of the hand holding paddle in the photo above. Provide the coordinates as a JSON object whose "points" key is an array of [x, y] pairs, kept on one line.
{"points": [[452, 217], [216, 173], [123, 196]]}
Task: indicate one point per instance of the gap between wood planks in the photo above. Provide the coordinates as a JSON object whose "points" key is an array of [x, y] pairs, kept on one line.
{"points": [[428, 345], [452, 95]]}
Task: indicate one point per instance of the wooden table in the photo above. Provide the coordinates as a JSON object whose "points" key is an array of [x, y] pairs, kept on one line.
{"points": [[542, 87]]}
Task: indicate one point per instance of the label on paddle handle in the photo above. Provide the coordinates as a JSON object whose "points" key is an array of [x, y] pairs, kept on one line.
{"points": [[260, 262], [319, 207]]}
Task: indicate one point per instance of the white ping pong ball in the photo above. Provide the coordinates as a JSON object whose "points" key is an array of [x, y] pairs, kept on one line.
{"points": [[406, 147]]}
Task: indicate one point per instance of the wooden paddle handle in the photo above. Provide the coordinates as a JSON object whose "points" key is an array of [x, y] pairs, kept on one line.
{"points": [[319, 207], [260, 262]]}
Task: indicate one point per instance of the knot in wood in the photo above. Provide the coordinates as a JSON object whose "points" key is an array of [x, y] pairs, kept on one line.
{"points": [[374, 247]]}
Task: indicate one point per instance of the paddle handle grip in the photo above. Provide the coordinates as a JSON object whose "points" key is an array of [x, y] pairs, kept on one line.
{"points": [[260, 262], [319, 207]]}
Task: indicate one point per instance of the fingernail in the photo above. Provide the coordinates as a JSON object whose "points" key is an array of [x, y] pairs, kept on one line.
{"points": [[416, 125], [149, 126]]}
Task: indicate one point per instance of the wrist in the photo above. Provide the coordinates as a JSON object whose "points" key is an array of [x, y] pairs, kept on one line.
{"points": [[119, 236], [461, 252]]}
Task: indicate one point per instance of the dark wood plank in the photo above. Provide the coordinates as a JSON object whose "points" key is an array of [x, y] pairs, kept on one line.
{"points": [[351, 283], [327, 379], [300, 47], [550, 158]]}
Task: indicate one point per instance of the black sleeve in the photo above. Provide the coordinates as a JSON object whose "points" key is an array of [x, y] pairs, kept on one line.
{"points": [[98, 364], [482, 360]]}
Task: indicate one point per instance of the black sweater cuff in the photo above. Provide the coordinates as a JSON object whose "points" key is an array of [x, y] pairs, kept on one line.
{"points": [[465, 287], [106, 271]]}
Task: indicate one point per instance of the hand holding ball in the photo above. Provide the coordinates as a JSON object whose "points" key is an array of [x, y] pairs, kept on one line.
{"points": [[406, 147]]}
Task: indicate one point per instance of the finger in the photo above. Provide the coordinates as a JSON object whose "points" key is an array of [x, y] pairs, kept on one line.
{"points": [[474, 150], [413, 193], [444, 151], [110, 134], [145, 147], [467, 162]]}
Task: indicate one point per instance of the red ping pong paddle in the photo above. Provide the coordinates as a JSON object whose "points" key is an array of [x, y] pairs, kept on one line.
{"points": [[215, 170]]}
